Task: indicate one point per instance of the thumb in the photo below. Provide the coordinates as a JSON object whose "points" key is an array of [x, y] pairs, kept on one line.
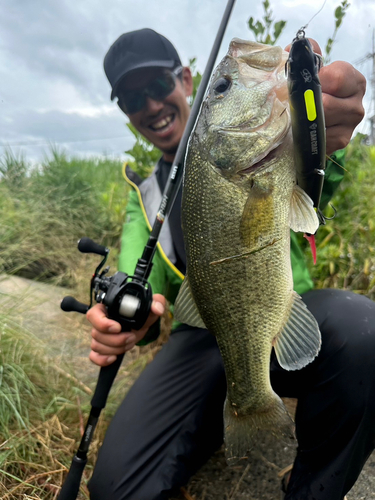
{"points": [[157, 309]]}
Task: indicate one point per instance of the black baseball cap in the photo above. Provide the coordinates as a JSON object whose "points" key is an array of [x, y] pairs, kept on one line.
{"points": [[143, 48]]}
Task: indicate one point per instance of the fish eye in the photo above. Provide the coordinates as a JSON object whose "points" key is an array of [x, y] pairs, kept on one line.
{"points": [[222, 85]]}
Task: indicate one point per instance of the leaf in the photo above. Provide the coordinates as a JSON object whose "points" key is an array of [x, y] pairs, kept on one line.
{"points": [[278, 28], [251, 23], [339, 12], [329, 45], [262, 28]]}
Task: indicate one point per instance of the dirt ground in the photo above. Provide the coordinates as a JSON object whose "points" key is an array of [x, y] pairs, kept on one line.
{"points": [[36, 307]]}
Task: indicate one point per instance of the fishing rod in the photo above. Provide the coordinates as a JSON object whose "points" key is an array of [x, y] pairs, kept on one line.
{"points": [[128, 298]]}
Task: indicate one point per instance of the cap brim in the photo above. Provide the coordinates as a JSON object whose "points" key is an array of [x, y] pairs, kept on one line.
{"points": [[150, 64]]}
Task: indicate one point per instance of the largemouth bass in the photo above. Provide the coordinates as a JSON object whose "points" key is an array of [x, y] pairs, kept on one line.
{"points": [[240, 200]]}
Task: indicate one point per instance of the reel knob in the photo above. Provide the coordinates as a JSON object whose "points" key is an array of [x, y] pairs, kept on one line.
{"points": [[87, 245], [69, 304]]}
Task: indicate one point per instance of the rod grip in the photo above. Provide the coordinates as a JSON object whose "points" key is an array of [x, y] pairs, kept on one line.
{"points": [[70, 488], [107, 375]]}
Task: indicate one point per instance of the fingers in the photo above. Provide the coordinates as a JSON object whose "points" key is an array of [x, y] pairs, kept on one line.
{"points": [[97, 316], [107, 340], [341, 79], [157, 309], [101, 360], [112, 343], [315, 46], [343, 88]]}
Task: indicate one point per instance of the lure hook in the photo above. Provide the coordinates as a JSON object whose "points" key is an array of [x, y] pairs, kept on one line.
{"points": [[322, 218]]}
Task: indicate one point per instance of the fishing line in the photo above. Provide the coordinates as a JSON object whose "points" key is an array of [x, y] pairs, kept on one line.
{"points": [[302, 29]]}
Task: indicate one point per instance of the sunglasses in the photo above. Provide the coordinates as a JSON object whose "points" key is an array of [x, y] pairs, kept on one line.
{"points": [[132, 101]]}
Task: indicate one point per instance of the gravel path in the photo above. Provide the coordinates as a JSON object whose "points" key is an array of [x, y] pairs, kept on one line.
{"points": [[36, 306]]}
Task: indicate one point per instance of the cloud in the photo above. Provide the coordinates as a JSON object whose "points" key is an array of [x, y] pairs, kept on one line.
{"points": [[52, 83], [34, 132]]}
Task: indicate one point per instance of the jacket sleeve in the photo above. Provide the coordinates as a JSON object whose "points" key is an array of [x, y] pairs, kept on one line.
{"points": [[134, 237]]}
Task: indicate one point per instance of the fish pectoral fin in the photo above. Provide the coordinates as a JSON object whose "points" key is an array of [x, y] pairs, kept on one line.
{"points": [[185, 308], [303, 217], [299, 341]]}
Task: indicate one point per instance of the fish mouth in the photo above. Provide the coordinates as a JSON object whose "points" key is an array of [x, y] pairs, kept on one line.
{"points": [[268, 155]]}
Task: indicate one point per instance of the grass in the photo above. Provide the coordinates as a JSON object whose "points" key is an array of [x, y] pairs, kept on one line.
{"points": [[43, 410], [34, 443], [346, 244], [46, 209]]}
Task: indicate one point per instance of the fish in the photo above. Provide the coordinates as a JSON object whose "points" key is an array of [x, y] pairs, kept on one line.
{"points": [[239, 201]]}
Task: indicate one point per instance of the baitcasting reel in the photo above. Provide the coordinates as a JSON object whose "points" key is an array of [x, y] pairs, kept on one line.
{"points": [[127, 298]]}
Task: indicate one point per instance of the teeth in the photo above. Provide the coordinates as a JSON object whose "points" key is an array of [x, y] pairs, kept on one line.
{"points": [[162, 123]]}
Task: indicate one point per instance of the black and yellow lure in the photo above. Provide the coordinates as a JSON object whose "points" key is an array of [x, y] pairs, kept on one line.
{"points": [[308, 125]]}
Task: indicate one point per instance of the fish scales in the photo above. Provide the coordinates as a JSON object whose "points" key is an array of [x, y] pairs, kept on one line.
{"points": [[239, 201]]}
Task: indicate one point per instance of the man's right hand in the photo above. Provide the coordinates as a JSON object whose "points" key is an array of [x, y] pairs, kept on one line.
{"points": [[108, 340]]}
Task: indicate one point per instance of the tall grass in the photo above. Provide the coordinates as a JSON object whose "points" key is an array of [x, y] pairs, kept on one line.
{"points": [[45, 209], [35, 440], [43, 409], [346, 244]]}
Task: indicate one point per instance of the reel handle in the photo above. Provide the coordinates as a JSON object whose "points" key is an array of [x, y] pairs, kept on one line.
{"points": [[69, 304], [87, 245]]}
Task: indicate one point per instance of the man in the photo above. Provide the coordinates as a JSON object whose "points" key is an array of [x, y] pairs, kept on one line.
{"points": [[171, 420]]}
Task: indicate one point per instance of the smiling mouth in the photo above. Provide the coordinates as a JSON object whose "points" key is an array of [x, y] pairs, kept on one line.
{"points": [[162, 124]]}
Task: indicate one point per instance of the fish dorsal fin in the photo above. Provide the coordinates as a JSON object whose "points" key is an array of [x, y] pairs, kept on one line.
{"points": [[185, 308], [303, 217], [299, 341]]}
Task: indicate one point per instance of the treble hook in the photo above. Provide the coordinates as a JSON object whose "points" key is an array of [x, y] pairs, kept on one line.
{"points": [[322, 218]]}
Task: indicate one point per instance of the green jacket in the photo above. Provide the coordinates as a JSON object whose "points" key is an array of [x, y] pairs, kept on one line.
{"points": [[165, 278]]}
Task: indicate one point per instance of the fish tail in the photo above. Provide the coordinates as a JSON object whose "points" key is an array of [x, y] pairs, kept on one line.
{"points": [[241, 430]]}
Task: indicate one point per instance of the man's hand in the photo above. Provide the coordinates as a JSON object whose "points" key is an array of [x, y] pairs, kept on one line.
{"points": [[343, 88], [107, 339]]}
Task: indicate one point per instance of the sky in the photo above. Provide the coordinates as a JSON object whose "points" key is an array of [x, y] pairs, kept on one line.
{"points": [[53, 90]]}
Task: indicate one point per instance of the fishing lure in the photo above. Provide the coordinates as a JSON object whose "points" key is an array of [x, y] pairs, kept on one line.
{"points": [[308, 125]]}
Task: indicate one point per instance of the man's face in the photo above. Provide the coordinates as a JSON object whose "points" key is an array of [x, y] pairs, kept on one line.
{"points": [[161, 122]]}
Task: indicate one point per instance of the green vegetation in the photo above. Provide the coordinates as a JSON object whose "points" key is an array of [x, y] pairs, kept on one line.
{"points": [[339, 14], [346, 244], [35, 441], [42, 412], [45, 209], [266, 30]]}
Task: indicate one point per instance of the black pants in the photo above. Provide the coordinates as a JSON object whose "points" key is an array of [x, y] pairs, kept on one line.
{"points": [[171, 420]]}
